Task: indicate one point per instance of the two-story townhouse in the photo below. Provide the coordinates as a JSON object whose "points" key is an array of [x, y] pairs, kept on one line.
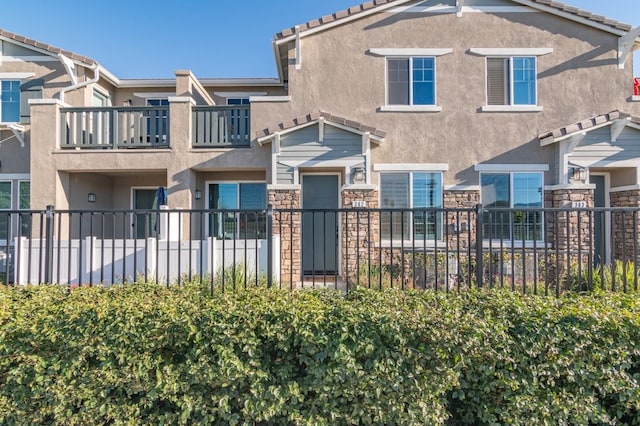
{"points": [[392, 103], [449, 104]]}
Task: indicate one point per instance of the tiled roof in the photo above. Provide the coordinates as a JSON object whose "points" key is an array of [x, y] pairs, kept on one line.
{"points": [[43, 46], [309, 118], [584, 125], [355, 10]]}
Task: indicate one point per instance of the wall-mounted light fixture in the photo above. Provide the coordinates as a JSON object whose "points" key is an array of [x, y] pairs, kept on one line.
{"points": [[577, 173], [91, 197], [357, 175], [197, 194]]}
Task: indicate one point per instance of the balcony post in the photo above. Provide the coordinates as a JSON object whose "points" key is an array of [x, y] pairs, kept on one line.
{"points": [[180, 178], [44, 139]]}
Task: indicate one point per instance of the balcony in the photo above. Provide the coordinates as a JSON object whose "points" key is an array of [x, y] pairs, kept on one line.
{"points": [[221, 126], [149, 127], [115, 127]]}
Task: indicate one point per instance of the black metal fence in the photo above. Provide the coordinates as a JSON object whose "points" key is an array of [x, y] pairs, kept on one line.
{"points": [[539, 251]]}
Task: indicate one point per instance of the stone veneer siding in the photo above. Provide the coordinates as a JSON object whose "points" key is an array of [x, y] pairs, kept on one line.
{"points": [[626, 225], [360, 231], [569, 230], [288, 226], [460, 227]]}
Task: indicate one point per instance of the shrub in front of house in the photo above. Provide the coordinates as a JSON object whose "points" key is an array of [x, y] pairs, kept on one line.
{"points": [[148, 354]]}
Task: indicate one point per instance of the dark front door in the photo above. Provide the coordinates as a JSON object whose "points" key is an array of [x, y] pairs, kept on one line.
{"points": [[599, 220], [144, 223], [319, 228]]}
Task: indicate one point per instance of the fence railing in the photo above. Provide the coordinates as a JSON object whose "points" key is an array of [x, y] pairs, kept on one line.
{"points": [[221, 126], [542, 251], [115, 127]]}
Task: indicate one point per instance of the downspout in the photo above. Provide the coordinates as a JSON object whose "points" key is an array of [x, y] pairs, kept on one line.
{"points": [[95, 68]]}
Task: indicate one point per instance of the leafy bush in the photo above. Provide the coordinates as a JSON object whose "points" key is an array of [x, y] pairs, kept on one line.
{"points": [[144, 354]]}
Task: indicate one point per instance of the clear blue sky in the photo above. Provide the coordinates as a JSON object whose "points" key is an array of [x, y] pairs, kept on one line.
{"points": [[213, 38]]}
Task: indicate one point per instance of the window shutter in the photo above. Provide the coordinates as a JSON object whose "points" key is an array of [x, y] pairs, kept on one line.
{"points": [[31, 89], [497, 81], [398, 81]]}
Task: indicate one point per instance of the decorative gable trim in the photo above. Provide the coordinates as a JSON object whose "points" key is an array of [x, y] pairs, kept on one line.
{"points": [[618, 118], [365, 9], [322, 118]]}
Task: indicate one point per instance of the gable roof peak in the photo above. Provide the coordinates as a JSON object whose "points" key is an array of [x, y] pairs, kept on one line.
{"points": [[371, 6], [54, 51]]}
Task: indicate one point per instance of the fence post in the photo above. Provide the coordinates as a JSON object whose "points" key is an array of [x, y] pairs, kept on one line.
{"points": [[479, 225], [48, 251], [269, 245]]}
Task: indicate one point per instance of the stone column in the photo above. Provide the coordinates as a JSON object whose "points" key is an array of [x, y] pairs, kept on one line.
{"points": [[568, 234], [459, 226], [626, 225], [360, 229], [569, 230], [288, 226]]}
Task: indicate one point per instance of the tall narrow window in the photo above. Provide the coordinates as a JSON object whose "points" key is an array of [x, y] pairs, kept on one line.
{"points": [[157, 120], [511, 81], [24, 203], [411, 81], [5, 204], [10, 101]]}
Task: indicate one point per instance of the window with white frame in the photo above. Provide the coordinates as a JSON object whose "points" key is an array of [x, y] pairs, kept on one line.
{"points": [[10, 101], [6, 196], [100, 99], [512, 81], [237, 101], [411, 81], [238, 196], [412, 190], [513, 203], [157, 120]]}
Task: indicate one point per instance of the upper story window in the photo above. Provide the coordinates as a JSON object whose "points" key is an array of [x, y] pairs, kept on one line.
{"points": [[411, 81], [511, 78], [512, 81], [157, 127], [100, 99], [10, 101], [237, 101]]}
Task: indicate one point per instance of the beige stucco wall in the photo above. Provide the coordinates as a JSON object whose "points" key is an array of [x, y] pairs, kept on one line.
{"points": [[579, 79]]}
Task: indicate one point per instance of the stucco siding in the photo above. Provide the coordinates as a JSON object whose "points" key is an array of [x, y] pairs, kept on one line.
{"points": [[461, 134]]}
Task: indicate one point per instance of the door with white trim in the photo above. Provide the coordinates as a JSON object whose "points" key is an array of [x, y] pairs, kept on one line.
{"points": [[320, 228]]}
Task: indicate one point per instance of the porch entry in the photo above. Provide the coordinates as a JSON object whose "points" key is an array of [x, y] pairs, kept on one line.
{"points": [[601, 219], [319, 228]]}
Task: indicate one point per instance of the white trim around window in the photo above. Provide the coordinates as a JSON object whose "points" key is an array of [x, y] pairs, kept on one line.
{"points": [[411, 167], [482, 51], [16, 75], [507, 168], [409, 52]]}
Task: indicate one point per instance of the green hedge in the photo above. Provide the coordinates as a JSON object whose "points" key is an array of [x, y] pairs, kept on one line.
{"points": [[144, 354]]}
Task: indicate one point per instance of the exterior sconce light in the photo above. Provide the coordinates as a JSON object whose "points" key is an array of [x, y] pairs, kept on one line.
{"points": [[358, 175], [197, 194], [577, 174], [91, 197]]}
